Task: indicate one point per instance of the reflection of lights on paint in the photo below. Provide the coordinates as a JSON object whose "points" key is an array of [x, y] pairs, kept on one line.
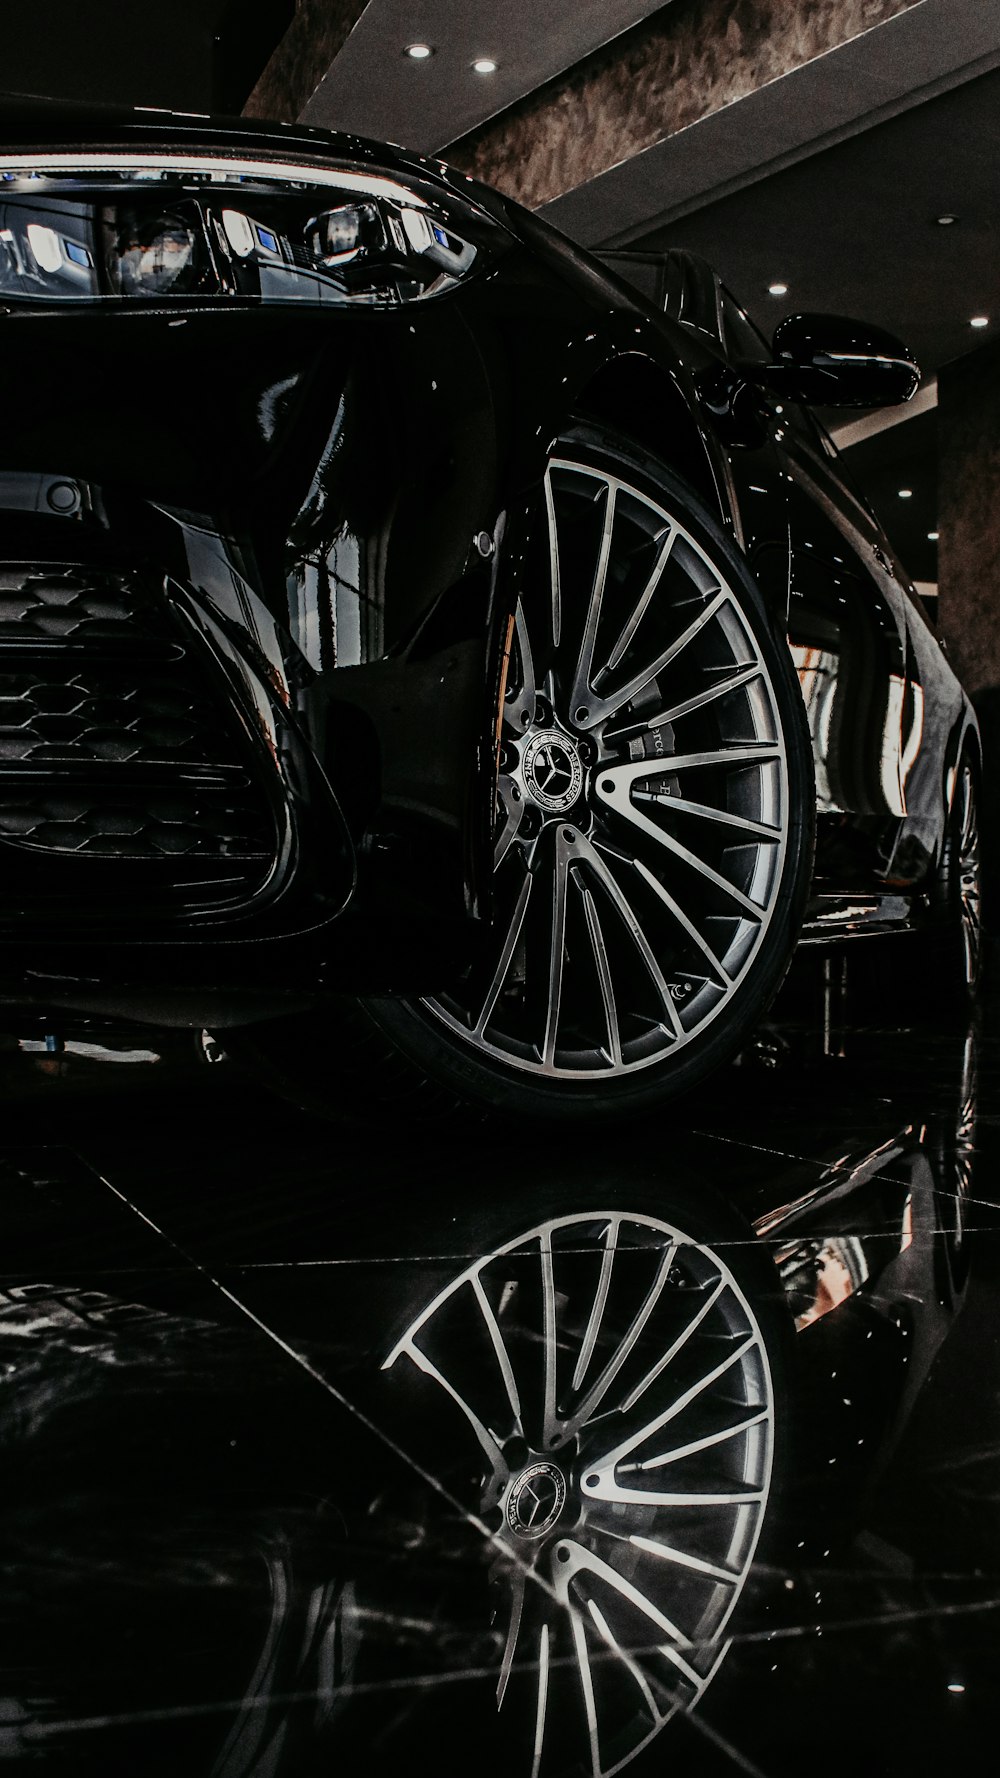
{"points": [[911, 746], [239, 234], [818, 1275], [44, 244], [892, 745], [417, 230]]}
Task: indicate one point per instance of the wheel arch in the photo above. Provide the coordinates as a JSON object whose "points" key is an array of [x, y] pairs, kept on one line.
{"points": [[638, 397]]}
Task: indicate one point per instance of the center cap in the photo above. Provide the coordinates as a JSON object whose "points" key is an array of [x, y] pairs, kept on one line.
{"points": [[536, 1499], [553, 771]]}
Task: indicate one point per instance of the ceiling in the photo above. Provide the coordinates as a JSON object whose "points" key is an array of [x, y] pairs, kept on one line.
{"points": [[845, 217], [854, 228], [376, 90]]}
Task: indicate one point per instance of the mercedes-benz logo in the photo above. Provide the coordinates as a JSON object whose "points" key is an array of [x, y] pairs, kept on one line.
{"points": [[536, 1499], [553, 772]]}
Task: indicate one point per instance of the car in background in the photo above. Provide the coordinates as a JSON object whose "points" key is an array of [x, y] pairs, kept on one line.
{"points": [[421, 652]]}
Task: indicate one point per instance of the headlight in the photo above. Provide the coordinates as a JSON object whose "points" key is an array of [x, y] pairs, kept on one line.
{"points": [[177, 229]]}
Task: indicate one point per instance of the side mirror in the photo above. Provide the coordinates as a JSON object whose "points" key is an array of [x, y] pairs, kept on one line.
{"points": [[828, 361]]}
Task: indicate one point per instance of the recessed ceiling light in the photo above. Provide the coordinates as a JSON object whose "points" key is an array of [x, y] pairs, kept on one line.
{"points": [[945, 220], [906, 493], [484, 65], [932, 536], [418, 52], [777, 289], [979, 321]]}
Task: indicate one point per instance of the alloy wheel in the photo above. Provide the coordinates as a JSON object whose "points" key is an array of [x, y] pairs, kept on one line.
{"points": [[610, 1381], [643, 794]]}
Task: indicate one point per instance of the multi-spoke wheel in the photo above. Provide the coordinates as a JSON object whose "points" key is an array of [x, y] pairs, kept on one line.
{"points": [[654, 808], [606, 1377]]}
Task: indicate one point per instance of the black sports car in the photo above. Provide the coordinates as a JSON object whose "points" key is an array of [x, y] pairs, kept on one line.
{"points": [[409, 628]]}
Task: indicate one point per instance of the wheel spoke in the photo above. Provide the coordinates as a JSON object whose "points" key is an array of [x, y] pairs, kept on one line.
{"points": [[579, 1560], [506, 954], [600, 707], [598, 1306], [687, 925], [580, 696], [591, 858], [518, 1584], [626, 1660], [603, 968], [587, 1688], [558, 1432], [550, 1423], [708, 1443], [743, 753], [499, 1347], [698, 701], [513, 814], [633, 622], [601, 1483], [488, 1439], [554, 574], [666, 1552], [676, 1346], [616, 796], [541, 1705], [754, 829], [519, 711], [557, 945]]}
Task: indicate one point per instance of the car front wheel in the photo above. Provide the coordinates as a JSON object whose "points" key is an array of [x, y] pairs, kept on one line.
{"points": [[654, 814]]}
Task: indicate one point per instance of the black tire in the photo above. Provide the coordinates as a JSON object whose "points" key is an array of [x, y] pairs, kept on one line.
{"points": [[621, 913], [956, 962]]}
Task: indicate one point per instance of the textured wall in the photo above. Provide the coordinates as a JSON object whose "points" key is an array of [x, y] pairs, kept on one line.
{"points": [[318, 31], [688, 60], [969, 517]]}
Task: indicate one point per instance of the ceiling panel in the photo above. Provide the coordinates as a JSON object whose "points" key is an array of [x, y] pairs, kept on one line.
{"points": [[853, 229], [376, 90]]}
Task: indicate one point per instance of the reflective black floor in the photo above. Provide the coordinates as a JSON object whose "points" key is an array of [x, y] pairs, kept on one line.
{"points": [[332, 1448]]}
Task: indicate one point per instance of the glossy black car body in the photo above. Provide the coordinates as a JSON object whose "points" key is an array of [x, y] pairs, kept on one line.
{"points": [[261, 560]]}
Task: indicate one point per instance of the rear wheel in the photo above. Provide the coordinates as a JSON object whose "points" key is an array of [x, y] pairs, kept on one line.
{"points": [[654, 813]]}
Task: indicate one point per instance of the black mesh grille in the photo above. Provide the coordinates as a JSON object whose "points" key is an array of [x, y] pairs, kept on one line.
{"points": [[91, 712], [115, 746], [154, 826], [70, 605]]}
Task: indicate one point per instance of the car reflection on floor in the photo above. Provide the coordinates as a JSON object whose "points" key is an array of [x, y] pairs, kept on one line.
{"points": [[528, 1460]]}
